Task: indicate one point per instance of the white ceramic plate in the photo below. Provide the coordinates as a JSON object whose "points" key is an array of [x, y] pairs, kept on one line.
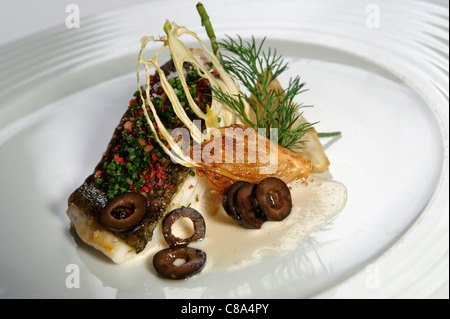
{"points": [[376, 72]]}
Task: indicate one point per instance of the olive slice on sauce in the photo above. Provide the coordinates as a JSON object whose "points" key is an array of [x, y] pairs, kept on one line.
{"points": [[124, 212], [228, 199], [173, 216], [247, 208], [192, 259], [274, 198]]}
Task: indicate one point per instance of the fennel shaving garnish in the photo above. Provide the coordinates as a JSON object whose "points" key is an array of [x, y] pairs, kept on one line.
{"points": [[248, 155], [217, 110]]}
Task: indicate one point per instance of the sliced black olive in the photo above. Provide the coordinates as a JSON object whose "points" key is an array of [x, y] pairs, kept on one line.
{"points": [[124, 212], [274, 198], [164, 262], [173, 216], [228, 197], [246, 207]]}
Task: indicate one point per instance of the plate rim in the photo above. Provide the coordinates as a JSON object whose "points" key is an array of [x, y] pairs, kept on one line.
{"points": [[438, 197]]}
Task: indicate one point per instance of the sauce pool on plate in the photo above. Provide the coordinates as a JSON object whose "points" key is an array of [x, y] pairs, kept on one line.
{"points": [[229, 245]]}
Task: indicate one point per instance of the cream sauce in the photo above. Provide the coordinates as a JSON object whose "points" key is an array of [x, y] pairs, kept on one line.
{"points": [[228, 245]]}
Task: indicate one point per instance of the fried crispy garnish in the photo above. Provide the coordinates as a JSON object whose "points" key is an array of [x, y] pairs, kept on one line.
{"points": [[237, 152]]}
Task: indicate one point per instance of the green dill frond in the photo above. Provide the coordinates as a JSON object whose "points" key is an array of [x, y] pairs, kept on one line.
{"points": [[256, 69]]}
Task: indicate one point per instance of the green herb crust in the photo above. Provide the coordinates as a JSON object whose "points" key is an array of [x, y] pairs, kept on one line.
{"points": [[134, 161]]}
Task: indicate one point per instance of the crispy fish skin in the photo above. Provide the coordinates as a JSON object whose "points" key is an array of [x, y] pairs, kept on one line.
{"points": [[94, 234], [87, 201], [109, 243]]}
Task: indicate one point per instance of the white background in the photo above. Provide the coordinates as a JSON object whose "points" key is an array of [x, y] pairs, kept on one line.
{"points": [[20, 18]]}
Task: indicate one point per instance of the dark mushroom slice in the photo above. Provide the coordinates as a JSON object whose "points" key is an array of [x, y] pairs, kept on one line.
{"points": [[228, 198], [173, 216], [192, 260], [247, 207], [274, 198], [124, 212]]}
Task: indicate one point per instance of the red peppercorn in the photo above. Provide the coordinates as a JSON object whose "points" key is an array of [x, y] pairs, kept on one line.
{"points": [[97, 174], [118, 159]]}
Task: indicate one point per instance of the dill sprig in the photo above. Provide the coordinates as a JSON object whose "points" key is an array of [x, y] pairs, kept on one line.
{"points": [[256, 69]]}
